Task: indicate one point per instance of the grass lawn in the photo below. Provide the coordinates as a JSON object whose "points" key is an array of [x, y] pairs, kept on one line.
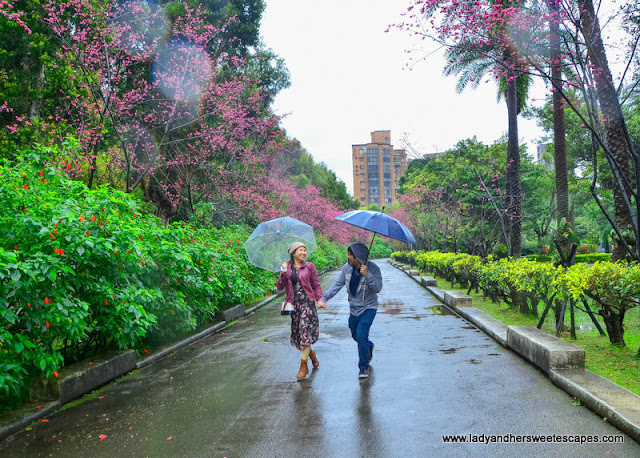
{"points": [[619, 364]]}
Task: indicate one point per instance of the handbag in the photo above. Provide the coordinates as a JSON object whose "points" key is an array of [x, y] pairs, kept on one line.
{"points": [[287, 308]]}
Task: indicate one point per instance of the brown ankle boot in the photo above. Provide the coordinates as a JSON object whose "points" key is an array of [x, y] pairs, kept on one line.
{"points": [[314, 359], [304, 370]]}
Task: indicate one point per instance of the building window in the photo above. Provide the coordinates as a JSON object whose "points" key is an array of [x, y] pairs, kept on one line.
{"points": [[361, 158], [362, 166], [386, 139], [361, 199], [362, 183], [362, 175]]}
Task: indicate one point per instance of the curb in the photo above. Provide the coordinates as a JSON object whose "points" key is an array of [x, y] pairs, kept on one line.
{"points": [[13, 421], [560, 361]]}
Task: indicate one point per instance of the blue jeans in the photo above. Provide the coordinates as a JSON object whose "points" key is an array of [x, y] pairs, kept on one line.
{"points": [[359, 326]]}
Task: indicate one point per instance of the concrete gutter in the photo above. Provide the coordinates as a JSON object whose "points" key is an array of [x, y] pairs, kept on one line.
{"points": [[562, 361], [85, 376]]}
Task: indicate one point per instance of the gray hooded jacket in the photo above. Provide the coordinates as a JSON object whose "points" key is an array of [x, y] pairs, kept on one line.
{"points": [[370, 285]]}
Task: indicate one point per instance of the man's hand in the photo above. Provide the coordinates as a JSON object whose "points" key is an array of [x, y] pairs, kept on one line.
{"points": [[322, 305], [364, 269]]}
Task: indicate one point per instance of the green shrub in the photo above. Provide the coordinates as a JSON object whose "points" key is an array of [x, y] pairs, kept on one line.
{"points": [[539, 257], [83, 269], [328, 255], [380, 250], [593, 257]]}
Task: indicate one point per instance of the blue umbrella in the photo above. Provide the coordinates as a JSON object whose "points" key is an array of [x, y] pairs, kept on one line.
{"points": [[378, 223], [267, 245]]}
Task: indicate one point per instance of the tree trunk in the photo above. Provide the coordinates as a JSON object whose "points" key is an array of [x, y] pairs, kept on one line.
{"points": [[613, 322], [559, 126], [513, 167], [614, 126]]}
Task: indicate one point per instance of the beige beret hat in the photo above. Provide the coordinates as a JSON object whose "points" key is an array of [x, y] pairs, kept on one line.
{"points": [[294, 246]]}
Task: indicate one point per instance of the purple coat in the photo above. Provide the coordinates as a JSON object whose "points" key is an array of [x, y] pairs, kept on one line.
{"points": [[308, 277]]}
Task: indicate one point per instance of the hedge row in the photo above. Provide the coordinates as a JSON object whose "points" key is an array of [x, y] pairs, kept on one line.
{"points": [[614, 288]]}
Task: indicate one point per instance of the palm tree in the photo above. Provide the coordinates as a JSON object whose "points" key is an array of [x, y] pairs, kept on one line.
{"points": [[559, 125], [470, 63]]}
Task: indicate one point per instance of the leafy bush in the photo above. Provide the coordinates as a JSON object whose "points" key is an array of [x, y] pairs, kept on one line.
{"points": [[614, 287], [380, 250], [328, 255], [84, 269], [593, 257], [539, 257]]}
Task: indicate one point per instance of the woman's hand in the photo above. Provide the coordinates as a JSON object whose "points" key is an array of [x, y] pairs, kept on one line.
{"points": [[322, 305], [283, 267]]}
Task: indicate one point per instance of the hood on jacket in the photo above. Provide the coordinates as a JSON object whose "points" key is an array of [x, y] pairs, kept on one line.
{"points": [[360, 251]]}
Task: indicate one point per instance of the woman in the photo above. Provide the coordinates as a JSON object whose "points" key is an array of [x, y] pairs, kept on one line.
{"points": [[300, 280]]}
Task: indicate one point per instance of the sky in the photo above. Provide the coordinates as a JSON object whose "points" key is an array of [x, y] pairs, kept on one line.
{"points": [[350, 78]]}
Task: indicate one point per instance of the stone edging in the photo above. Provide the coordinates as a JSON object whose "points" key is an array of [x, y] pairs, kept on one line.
{"points": [[561, 361]]}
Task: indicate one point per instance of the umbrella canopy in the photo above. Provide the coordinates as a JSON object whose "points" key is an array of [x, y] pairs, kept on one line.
{"points": [[379, 223], [267, 245]]}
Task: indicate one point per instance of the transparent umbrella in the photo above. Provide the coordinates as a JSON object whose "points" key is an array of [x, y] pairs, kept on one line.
{"points": [[267, 245]]}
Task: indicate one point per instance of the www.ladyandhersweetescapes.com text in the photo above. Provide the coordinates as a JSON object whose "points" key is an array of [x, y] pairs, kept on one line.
{"points": [[532, 438]]}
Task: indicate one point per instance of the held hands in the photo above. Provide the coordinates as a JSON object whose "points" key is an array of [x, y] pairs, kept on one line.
{"points": [[283, 267], [364, 269], [322, 305]]}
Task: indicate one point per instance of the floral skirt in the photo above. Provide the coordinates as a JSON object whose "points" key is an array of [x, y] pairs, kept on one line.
{"points": [[304, 324]]}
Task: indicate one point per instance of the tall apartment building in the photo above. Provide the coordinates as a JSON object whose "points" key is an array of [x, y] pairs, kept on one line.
{"points": [[377, 169]]}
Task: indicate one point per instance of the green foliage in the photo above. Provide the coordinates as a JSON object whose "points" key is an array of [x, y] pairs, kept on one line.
{"points": [[380, 250], [328, 255], [593, 257], [84, 269], [539, 257]]}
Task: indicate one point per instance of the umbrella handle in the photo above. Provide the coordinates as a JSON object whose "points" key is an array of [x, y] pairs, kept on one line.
{"points": [[370, 245]]}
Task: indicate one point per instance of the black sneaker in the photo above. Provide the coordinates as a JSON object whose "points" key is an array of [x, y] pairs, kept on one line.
{"points": [[372, 347], [364, 373]]}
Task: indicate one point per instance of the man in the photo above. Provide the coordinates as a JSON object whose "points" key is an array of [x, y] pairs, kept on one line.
{"points": [[364, 282]]}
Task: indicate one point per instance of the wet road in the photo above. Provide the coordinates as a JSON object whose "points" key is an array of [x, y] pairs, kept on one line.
{"points": [[234, 394]]}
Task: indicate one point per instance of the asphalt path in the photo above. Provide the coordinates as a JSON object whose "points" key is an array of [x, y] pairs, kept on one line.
{"points": [[234, 394]]}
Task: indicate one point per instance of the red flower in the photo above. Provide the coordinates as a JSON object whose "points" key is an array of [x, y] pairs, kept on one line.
{"points": [[93, 218], [46, 300], [25, 186], [106, 302], [41, 172], [88, 232], [82, 218], [55, 373], [47, 323]]}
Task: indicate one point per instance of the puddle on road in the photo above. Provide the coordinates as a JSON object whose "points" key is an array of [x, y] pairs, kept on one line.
{"points": [[394, 307], [440, 310]]}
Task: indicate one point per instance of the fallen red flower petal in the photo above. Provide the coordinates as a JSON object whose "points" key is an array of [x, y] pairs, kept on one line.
{"points": [[102, 436]]}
